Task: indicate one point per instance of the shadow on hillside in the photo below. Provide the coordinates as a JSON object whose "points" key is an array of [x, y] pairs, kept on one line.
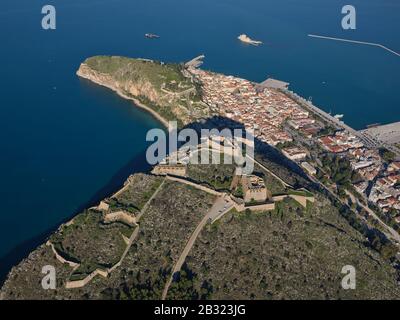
{"points": [[292, 173], [272, 158]]}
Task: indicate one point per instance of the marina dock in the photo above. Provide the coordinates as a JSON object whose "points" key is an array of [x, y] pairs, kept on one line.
{"points": [[196, 62], [274, 84]]}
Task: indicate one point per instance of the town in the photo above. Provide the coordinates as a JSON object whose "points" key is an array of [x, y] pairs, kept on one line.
{"points": [[303, 136]]}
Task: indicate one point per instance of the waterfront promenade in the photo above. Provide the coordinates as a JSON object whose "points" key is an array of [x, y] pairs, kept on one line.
{"points": [[372, 138], [368, 141]]}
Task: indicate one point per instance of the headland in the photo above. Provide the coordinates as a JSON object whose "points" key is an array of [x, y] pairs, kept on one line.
{"points": [[331, 156]]}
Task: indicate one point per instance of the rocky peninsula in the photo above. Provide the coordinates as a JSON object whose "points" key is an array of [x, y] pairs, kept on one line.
{"points": [[161, 89], [127, 246]]}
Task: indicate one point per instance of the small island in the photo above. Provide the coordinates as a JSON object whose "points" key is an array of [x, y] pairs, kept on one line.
{"points": [[246, 39]]}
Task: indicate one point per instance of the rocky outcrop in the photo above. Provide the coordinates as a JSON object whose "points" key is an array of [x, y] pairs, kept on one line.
{"points": [[128, 87], [165, 106], [168, 91]]}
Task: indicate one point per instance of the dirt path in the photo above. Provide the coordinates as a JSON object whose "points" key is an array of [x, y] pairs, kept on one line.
{"points": [[195, 185], [189, 245]]}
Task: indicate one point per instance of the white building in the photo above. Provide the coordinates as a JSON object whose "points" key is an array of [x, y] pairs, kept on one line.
{"points": [[309, 168]]}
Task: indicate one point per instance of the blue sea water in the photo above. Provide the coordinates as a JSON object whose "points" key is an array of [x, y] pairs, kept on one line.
{"points": [[65, 142]]}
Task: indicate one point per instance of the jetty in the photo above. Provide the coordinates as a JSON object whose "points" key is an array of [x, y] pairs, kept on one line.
{"points": [[356, 42], [271, 83], [196, 62]]}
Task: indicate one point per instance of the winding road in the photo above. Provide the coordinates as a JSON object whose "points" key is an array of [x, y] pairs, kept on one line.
{"points": [[221, 206]]}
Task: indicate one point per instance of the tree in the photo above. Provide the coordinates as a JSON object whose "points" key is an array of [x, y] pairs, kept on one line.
{"points": [[387, 155], [182, 288]]}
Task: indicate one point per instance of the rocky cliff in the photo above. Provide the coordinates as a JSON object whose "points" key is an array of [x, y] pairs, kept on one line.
{"points": [[160, 88], [133, 88]]}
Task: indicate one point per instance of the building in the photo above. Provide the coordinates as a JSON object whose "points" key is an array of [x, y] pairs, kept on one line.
{"points": [[361, 164], [254, 189], [361, 187], [394, 166], [309, 168], [170, 169], [295, 153]]}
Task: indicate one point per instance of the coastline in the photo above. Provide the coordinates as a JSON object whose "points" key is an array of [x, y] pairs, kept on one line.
{"points": [[137, 103], [164, 122], [112, 188], [23, 251]]}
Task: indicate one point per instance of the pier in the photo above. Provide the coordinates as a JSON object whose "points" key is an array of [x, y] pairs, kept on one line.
{"points": [[356, 42], [196, 62], [274, 84]]}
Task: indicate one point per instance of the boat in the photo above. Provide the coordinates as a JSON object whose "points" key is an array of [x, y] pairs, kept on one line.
{"points": [[151, 36], [339, 116]]}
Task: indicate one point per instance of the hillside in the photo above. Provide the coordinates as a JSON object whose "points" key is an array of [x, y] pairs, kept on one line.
{"points": [[291, 252], [200, 235], [162, 88]]}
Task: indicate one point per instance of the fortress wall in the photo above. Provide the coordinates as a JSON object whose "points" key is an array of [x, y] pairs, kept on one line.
{"points": [[61, 259], [120, 216], [260, 207], [257, 195], [279, 198], [300, 199], [84, 282], [197, 186], [177, 171], [103, 206]]}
